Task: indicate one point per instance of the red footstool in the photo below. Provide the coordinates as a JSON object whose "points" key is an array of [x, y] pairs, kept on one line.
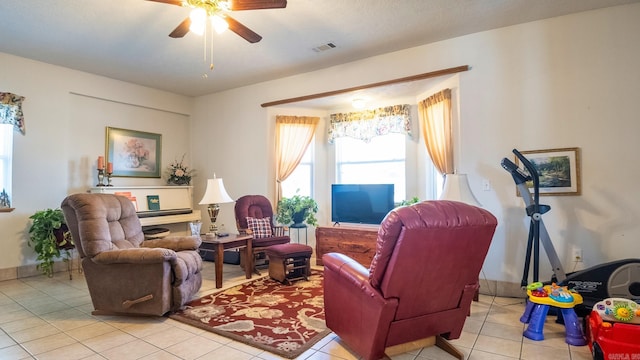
{"points": [[289, 262]]}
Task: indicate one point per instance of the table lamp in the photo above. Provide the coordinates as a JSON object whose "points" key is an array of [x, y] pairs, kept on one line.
{"points": [[456, 187], [214, 195]]}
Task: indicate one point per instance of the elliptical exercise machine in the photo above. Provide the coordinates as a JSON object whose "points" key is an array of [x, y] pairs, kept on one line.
{"points": [[616, 279]]}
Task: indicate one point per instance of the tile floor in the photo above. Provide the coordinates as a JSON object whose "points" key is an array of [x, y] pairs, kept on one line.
{"points": [[46, 318]]}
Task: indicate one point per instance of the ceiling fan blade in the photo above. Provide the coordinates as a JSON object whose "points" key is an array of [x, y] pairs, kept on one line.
{"points": [[243, 31], [172, 2], [237, 5], [182, 29]]}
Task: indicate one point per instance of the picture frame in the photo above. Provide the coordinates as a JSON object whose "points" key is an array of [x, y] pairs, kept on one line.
{"points": [[558, 170], [133, 153]]}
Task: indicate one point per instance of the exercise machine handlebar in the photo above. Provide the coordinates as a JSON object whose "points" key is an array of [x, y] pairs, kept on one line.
{"points": [[518, 175], [533, 173]]}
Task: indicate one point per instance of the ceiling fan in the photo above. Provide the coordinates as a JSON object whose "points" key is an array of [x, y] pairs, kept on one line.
{"points": [[217, 11]]}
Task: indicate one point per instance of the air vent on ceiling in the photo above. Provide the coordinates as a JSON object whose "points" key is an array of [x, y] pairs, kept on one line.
{"points": [[324, 47]]}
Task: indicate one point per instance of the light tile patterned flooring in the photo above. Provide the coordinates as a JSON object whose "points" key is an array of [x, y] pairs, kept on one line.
{"points": [[44, 318]]}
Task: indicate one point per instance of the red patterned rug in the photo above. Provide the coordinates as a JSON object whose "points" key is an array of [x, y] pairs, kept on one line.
{"points": [[283, 319]]}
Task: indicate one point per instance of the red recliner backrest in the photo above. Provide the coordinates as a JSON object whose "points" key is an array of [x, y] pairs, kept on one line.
{"points": [[255, 206], [427, 253]]}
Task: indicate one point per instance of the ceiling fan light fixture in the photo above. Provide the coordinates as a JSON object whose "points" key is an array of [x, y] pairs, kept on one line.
{"points": [[219, 24], [359, 103], [224, 5], [198, 18]]}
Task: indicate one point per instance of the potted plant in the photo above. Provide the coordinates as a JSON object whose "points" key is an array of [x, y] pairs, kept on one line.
{"points": [[413, 200], [50, 238], [297, 210]]}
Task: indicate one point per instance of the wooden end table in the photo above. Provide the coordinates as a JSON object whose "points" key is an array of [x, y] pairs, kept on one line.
{"points": [[219, 244]]}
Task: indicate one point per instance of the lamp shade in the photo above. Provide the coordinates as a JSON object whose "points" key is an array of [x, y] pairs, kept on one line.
{"points": [[215, 193], [456, 187]]}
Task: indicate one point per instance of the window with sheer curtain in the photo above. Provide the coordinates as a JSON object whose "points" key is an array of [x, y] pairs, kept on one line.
{"points": [[11, 118], [301, 179], [294, 134], [6, 149], [371, 146], [380, 161]]}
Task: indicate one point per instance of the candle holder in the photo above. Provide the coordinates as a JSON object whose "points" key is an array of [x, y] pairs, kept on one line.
{"points": [[100, 177], [109, 179]]}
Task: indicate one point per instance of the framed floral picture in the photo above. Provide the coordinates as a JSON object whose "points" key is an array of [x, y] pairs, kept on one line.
{"points": [[134, 153]]}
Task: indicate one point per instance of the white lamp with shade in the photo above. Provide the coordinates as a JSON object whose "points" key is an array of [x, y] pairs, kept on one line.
{"points": [[214, 195], [456, 187]]}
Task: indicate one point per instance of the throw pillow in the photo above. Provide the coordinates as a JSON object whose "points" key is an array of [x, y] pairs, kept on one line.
{"points": [[261, 228]]}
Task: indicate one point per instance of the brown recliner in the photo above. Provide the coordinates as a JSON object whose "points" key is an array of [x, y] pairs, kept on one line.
{"points": [[421, 281], [259, 207], [124, 273]]}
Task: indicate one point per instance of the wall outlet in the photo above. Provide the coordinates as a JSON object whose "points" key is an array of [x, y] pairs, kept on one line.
{"points": [[577, 255], [486, 185]]}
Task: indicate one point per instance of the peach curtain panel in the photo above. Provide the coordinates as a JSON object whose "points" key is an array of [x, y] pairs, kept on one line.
{"points": [[293, 136], [435, 120]]}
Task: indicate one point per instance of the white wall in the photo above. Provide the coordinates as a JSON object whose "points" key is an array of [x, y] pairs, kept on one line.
{"points": [[565, 82], [66, 113]]}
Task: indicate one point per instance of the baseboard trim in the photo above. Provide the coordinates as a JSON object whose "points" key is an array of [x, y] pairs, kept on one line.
{"points": [[31, 270], [501, 289]]}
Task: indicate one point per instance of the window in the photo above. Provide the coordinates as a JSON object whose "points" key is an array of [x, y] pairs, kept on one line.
{"points": [[6, 152], [381, 161], [301, 180]]}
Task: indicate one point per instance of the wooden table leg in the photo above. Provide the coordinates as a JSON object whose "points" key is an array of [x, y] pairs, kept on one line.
{"points": [[219, 260], [248, 264]]}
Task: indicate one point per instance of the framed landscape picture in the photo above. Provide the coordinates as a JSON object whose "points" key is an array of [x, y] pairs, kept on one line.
{"points": [[134, 153], [558, 170]]}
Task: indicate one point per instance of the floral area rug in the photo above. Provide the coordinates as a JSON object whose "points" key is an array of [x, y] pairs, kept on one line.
{"points": [[283, 319]]}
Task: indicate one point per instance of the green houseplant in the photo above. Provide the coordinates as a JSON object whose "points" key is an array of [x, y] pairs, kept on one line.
{"points": [[296, 210], [413, 200], [50, 238]]}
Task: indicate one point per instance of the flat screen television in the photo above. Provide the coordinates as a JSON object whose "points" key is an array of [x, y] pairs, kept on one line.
{"points": [[361, 203]]}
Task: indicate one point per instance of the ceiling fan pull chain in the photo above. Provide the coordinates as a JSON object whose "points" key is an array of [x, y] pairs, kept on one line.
{"points": [[204, 45], [211, 64]]}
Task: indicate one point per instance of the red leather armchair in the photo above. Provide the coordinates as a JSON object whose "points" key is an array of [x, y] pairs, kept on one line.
{"points": [[258, 207], [420, 283]]}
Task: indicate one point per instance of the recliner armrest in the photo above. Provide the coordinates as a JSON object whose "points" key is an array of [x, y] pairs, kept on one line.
{"points": [[348, 269], [175, 243], [353, 308], [135, 256]]}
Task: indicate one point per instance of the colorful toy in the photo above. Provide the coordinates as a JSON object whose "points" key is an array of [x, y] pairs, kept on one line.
{"points": [[540, 298], [613, 329]]}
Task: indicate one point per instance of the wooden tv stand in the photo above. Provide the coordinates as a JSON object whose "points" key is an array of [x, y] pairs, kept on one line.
{"points": [[356, 241]]}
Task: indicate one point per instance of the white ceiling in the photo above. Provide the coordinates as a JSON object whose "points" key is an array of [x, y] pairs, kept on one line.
{"points": [[128, 39]]}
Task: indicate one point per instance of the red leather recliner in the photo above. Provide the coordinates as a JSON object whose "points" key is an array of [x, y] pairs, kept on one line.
{"points": [[420, 283], [258, 207]]}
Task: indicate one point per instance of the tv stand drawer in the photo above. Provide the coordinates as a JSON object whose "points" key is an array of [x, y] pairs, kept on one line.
{"points": [[357, 242]]}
